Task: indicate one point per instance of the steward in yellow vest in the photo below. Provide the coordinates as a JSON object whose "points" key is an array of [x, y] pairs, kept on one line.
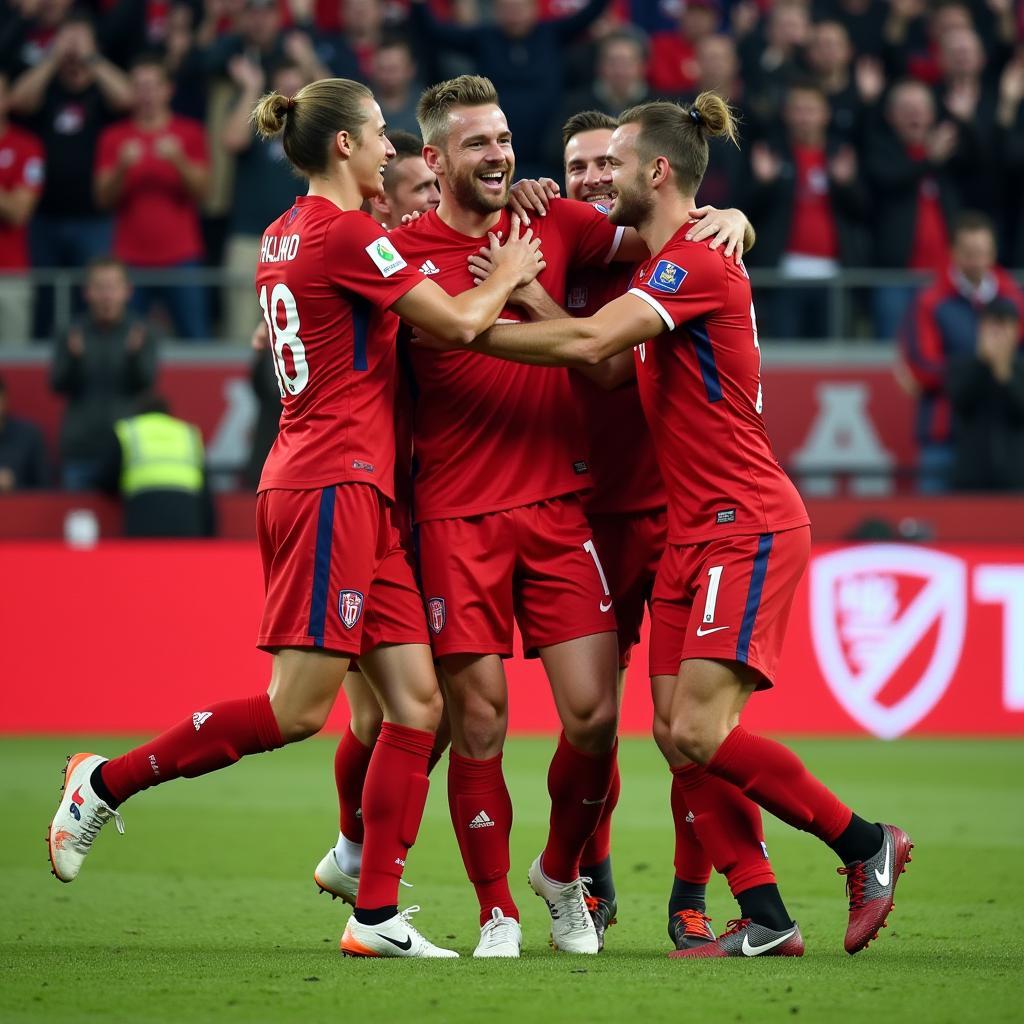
{"points": [[159, 469]]}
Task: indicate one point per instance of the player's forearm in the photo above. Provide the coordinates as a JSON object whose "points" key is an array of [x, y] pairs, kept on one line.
{"points": [[478, 308], [566, 342], [535, 300]]}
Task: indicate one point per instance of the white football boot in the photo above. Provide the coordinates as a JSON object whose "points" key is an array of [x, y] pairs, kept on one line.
{"points": [[395, 937], [331, 879], [79, 818], [572, 927], [500, 937]]}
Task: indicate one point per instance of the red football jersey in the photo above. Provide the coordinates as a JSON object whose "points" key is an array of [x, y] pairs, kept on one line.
{"points": [[490, 434], [156, 222], [21, 166], [700, 384], [623, 467], [325, 280]]}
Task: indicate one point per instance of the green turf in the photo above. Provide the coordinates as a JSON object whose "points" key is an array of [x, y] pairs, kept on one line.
{"points": [[206, 910]]}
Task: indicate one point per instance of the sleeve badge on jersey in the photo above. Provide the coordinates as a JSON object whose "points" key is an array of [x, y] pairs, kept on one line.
{"points": [[667, 277], [385, 257], [350, 607]]}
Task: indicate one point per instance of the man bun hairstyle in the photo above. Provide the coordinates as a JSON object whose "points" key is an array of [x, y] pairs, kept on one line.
{"points": [[587, 121], [680, 134], [309, 120], [439, 100]]}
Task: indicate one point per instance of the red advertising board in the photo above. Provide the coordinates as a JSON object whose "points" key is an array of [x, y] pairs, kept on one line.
{"points": [[883, 639], [842, 426]]}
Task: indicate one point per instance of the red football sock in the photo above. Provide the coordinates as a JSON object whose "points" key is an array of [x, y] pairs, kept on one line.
{"points": [[481, 812], [578, 784], [773, 776], [393, 799], [210, 739], [599, 845], [351, 761], [693, 865], [728, 826]]}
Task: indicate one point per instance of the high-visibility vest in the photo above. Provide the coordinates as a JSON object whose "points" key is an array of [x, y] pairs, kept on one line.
{"points": [[159, 453]]}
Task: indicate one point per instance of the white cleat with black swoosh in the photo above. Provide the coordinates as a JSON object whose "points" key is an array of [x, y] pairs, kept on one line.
{"points": [[395, 937]]}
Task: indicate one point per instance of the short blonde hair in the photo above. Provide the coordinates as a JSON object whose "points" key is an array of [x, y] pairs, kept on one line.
{"points": [[439, 100]]}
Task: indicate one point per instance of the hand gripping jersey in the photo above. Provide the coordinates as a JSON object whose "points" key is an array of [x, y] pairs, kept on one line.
{"points": [[489, 434], [623, 467], [325, 280], [700, 384]]}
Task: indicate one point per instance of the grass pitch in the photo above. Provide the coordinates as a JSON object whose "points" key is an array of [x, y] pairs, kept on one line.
{"points": [[206, 909]]}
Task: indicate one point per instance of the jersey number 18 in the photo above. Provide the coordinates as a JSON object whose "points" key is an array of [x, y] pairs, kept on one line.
{"points": [[286, 337]]}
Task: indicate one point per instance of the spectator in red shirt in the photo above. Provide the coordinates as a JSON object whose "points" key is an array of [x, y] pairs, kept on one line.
{"points": [[943, 327], [152, 171], [21, 181], [809, 208], [673, 65], [909, 163]]}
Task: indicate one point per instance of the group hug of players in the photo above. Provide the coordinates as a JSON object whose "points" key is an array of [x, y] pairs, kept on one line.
{"points": [[564, 500]]}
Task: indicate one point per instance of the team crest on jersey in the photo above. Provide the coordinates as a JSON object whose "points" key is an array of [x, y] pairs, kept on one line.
{"points": [[577, 297], [436, 614], [667, 277], [350, 607], [385, 257]]}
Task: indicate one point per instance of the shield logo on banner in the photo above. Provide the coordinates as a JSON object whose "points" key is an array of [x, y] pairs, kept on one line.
{"points": [[888, 627], [435, 614], [350, 607]]}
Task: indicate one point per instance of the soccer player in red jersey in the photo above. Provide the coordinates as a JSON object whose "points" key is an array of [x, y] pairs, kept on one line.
{"points": [[738, 534], [338, 583], [627, 509], [409, 187]]}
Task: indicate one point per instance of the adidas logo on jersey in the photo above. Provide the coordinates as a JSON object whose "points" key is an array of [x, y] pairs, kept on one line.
{"points": [[482, 821], [199, 718], [689, 817], [430, 267]]}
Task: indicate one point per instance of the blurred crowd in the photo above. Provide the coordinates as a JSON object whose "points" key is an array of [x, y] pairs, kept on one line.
{"points": [[876, 134]]}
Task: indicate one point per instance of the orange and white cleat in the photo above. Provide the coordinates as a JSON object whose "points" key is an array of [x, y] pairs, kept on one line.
{"points": [[395, 937], [79, 818]]}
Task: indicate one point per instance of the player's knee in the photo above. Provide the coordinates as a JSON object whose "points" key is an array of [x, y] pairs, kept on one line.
{"points": [[428, 710], [694, 737], [300, 725], [662, 732], [480, 729], [366, 722], [594, 729]]}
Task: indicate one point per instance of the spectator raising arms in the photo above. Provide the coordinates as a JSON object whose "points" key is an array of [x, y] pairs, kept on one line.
{"points": [[151, 170], [67, 98], [102, 364], [944, 327], [21, 178]]}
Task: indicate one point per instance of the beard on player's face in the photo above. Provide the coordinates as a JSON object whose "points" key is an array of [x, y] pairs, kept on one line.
{"points": [[468, 188], [634, 202]]}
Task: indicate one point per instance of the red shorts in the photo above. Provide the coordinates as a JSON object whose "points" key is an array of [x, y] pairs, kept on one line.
{"points": [[727, 599], [535, 565], [335, 572], [631, 544]]}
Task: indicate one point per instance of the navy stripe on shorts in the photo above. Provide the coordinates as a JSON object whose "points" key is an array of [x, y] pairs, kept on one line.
{"points": [[760, 570], [321, 567]]}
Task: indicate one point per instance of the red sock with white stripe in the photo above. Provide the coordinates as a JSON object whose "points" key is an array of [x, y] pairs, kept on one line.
{"points": [[578, 783], [393, 799], [481, 812], [207, 741]]}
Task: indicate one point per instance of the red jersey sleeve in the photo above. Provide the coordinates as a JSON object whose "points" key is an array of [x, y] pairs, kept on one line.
{"points": [[683, 283], [594, 239], [361, 258]]}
